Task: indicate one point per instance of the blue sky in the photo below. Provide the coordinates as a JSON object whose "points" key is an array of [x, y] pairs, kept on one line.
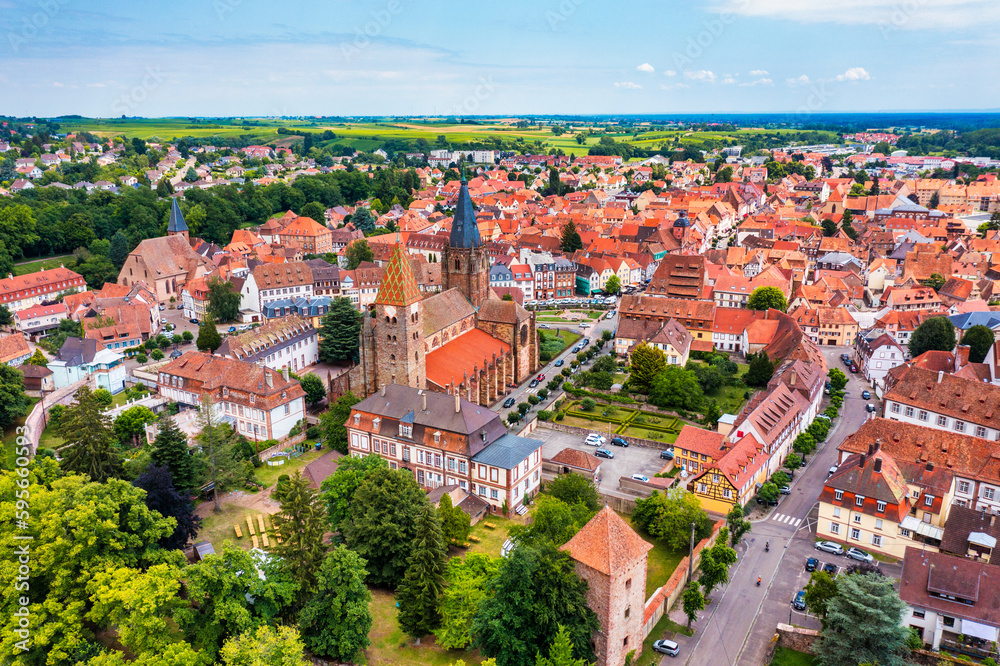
{"points": [[412, 57]]}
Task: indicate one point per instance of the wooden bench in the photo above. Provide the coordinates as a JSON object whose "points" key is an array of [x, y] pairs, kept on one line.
{"points": [[239, 534], [255, 544], [260, 523], [489, 526], [250, 526], [474, 539], [277, 536], [264, 537]]}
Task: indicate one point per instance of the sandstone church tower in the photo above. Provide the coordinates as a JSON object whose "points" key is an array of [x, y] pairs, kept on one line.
{"points": [[399, 330], [465, 263]]}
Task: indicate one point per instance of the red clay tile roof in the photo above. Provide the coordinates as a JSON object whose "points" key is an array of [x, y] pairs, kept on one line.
{"points": [[399, 286], [607, 544], [463, 355], [576, 458], [698, 440]]}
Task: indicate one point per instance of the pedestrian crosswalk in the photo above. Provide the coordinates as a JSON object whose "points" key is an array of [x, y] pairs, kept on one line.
{"points": [[788, 520]]}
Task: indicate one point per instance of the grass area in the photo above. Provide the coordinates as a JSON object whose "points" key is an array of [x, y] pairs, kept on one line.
{"points": [[662, 561], [785, 657], [218, 528], [665, 628], [50, 439], [730, 399], [389, 645], [10, 437], [268, 476], [36, 265], [639, 431], [490, 541]]}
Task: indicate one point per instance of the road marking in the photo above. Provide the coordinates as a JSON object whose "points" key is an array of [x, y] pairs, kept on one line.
{"points": [[798, 521]]}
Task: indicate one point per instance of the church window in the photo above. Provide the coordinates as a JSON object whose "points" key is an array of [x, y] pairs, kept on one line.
{"points": [[393, 320], [416, 356], [387, 319]]}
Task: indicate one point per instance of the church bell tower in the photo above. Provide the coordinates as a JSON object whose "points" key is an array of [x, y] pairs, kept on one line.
{"points": [[465, 262]]}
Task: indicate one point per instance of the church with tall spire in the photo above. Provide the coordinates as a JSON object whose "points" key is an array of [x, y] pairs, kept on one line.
{"points": [[464, 340]]}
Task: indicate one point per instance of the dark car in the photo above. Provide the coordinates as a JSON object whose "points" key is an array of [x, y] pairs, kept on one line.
{"points": [[667, 454], [604, 453], [870, 407], [618, 441], [830, 568], [559, 363], [799, 603], [811, 564], [193, 321], [866, 395], [509, 402], [533, 383], [761, 500]]}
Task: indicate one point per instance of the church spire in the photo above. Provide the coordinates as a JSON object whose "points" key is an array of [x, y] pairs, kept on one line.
{"points": [[464, 229], [399, 286], [176, 225]]}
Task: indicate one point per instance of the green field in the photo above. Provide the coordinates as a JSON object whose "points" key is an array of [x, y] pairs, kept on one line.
{"points": [[36, 265], [785, 657]]}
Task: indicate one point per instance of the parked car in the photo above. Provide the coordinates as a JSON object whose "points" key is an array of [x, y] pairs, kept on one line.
{"points": [[785, 490], [845, 358], [761, 500], [509, 402], [830, 547], [544, 326], [811, 564], [870, 407], [854, 368], [559, 363], [830, 568], [194, 321], [866, 395], [618, 441], [232, 329], [667, 454], [823, 416], [830, 471], [640, 477], [594, 439], [533, 383], [799, 603], [666, 647], [859, 555], [541, 377], [162, 308], [604, 453]]}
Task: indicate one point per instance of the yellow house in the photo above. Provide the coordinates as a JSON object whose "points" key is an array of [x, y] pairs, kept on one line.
{"points": [[722, 473]]}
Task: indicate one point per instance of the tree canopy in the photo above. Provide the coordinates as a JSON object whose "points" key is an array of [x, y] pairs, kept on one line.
{"points": [[862, 623], [336, 620], [223, 300], [936, 333], [766, 298], [668, 516], [979, 338], [645, 363], [570, 240], [339, 332]]}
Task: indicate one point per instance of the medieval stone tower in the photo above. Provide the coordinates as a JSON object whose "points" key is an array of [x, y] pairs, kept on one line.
{"points": [[612, 558], [465, 263], [399, 331]]}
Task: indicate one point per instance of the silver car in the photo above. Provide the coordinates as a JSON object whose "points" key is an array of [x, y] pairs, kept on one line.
{"points": [[667, 647], [859, 555], [830, 547]]}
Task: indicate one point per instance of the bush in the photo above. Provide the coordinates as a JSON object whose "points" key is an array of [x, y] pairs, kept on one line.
{"points": [[560, 416], [544, 357], [544, 415], [314, 433], [513, 418], [588, 404], [141, 358], [103, 397], [187, 336]]}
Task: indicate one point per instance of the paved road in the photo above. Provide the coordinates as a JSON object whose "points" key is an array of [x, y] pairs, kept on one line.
{"points": [[742, 617], [179, 176]]}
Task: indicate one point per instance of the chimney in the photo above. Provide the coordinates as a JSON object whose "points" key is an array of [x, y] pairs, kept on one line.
{"points": [[871, 449], [287, 377], [940, 376], [458, 402], [862, 460], [423, 401], [269, 378], [930, 466], [878, 465], [383, 390], [791, 379]]}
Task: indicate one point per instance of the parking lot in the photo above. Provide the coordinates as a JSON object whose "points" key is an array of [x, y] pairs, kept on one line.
{"points": [[627, 461]]}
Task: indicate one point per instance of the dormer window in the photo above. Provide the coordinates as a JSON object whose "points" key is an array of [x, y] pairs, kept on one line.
{"points": [[859, 501], [406, 430], [928, 500], [375, 421], [437, 437], [838, 494], [357, 419]]}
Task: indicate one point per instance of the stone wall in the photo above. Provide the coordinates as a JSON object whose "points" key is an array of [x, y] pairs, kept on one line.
{"points": [[795, 638]]}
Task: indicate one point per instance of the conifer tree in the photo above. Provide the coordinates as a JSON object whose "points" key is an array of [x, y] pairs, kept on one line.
{"points": [[424, 580], [339, 332], [170, 450], [570, 240], [89, 439], [302, 523]]}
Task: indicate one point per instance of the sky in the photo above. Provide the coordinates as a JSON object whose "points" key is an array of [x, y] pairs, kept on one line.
{"points": [[432, 57]]}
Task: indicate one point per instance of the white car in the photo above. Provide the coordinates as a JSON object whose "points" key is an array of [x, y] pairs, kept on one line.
{"points": [[640, 477], [859, 555], [594, 439]]}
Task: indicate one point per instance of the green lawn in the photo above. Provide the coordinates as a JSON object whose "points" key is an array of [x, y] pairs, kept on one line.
{"points": [[389, 645], [490, 541], [639, 431], [785, 657], [665, 628], [218, 528], [36, 265], [268, 476], [10, 437]]}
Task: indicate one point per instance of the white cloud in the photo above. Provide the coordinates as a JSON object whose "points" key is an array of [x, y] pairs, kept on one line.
{"points": [[57, 84], [670, 72], [799, 81], [854, 74], [674, 86], [758, 72], [646, 67], [889, 15], [627, 85], [728, 80], [763, 81], [700, 75]]}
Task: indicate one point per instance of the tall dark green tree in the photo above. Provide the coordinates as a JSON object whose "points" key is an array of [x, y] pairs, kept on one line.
{"points": [[382, 523], [455, 523], [223, 300], [302, 523], [335, 622], [162, 496], [14, 402], [575, 488], [208, 335], [339, 333], [423, 583], [89, 439], [314, 388], [364, 220], [936, 333], [357, 252], [170, 449], [570, 240], [760, 371], [863, 624], [119, 249], [979, 338], [338, 489]]}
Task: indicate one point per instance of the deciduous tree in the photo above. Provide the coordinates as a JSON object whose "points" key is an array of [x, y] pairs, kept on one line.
{"points": [[314, 388], [693, 602], [335, 622], [575, 488], [223, 300], [979, 338], [645, 364], [668, 516], [767, 298], [161, 496], [332, 421], [936, 333], [467, 585], [264, 646]]}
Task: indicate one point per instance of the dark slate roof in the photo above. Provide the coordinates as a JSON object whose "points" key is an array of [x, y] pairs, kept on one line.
{"points": [[176, 222], [464, 230], [77, 351], [964, 521], [507, 452], [398, 401]]}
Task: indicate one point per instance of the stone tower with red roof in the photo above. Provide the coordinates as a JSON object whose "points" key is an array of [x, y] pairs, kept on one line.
{"points": [[611, 557], [399, 329]]}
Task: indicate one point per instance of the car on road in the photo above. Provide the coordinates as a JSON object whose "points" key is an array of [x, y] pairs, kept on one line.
{"points": [[799, 603], [618, 441], [854, 368], [610, 315], [830, 568], [765, 502], [866, 395], [533, 383], [830, 547], [830, 471], [667, 454], [162, 308], [859, 555], [541, 377], [604, 453], [194, 321], [870, 408], [811, 564], [509, 402], [667, 647], [594, 439], [640, 477], [584, 327], [232, 329], [559, 363], [785, 490], [544, 326], [845, 358]]}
